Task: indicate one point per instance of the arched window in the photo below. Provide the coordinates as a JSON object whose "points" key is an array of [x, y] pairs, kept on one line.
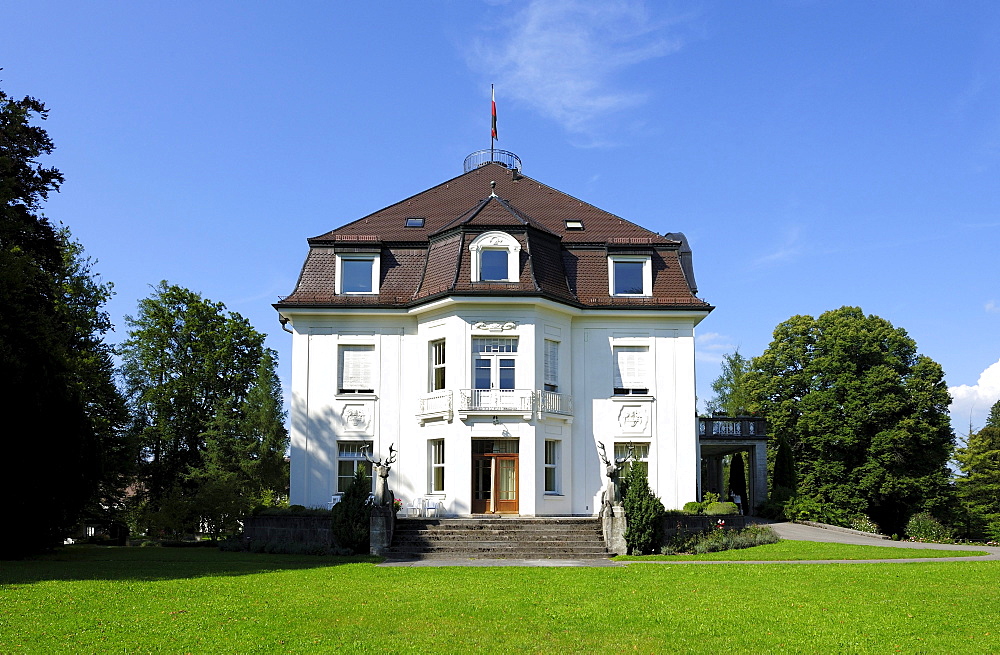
{"points": [[495, 257]]}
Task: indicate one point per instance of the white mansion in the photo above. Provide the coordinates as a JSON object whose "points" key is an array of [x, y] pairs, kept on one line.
{"points": [[494, 330]]}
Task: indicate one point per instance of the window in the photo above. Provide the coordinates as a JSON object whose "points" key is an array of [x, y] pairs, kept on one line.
{"points": [[640, 457], [551, 466], [414, 221], [437, 365], [493, 265], [493, 366], [630, 369], [572, 224], [495, 258], [551, 375], [437, 465], [356, 369], [357, 273], [351, 457], [630, 275]]}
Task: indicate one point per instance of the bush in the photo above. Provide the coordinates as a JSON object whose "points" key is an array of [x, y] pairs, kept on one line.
{"points": [[351, 517], [862, 523], [644, 514], [693, 508], [718, 539], [803, 508], [924, 527], [722, 509], [774, 506]]}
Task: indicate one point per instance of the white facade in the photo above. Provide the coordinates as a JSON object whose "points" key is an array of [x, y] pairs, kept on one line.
{"points": [[404, 409]]}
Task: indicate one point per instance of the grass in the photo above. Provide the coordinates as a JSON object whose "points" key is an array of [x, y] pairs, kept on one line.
{"points": [[194, 600], [787, 550]]}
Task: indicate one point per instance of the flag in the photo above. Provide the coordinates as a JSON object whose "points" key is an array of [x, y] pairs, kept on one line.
{"points": [[494, 104]]}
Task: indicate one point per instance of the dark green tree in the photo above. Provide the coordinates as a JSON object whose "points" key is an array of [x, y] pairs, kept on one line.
{"points": [[738, 478], [731, 394], [644, 514], [865, 415], [55, 371], [351, 517], [784, 466], [979, 484], [205, 405]]}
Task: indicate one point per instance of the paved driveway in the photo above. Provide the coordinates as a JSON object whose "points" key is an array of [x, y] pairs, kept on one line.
{"points": [[792, 531]]}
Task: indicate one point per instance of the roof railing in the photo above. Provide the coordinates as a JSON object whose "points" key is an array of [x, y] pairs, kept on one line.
{"points": [[479, 158]]}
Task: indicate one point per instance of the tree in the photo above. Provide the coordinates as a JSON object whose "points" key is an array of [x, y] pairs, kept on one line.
{"points": [[731, 397], [864, 414], [644, 514], [206, 410], [979, 485], [55, 370]]}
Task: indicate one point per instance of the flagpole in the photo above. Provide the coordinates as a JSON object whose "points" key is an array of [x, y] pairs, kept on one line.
{"points": [[493, 122]]}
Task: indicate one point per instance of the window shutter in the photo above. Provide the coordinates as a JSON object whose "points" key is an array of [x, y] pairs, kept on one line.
{"points": [[551, 362], [356, 367], [631, 367]]}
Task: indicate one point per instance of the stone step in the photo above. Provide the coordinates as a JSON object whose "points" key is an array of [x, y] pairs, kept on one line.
{"points": [[498, 537]]}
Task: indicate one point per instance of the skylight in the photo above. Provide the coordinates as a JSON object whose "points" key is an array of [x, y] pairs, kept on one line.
{"points": [[574, 224], [415, 221]]}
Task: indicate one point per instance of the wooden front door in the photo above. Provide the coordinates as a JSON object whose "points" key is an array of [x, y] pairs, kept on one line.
{"points": [[494, 483]]}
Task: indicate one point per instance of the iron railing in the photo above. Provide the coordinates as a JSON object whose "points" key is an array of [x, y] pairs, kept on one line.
{"points": [[496, 156]]}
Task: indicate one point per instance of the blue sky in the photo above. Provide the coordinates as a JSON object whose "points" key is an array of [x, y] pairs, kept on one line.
{"points": [[815, 154]]}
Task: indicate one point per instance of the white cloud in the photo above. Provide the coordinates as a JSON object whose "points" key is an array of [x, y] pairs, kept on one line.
{"points": [[564, 57], [992, 307], [789, 249], [711, 346], [972, 403]]}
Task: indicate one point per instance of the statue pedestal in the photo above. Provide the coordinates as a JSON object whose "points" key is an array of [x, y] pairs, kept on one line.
{"points": [[613, 525], [381, 524]]}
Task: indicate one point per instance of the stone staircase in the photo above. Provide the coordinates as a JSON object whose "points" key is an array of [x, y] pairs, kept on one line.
{"points": [[498, 538]]}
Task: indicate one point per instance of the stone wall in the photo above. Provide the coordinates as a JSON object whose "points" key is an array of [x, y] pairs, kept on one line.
{"points": [[313, 530]]}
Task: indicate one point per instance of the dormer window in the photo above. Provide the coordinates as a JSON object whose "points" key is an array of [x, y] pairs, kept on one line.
{"points": [[495, 257], [630, 275], [493, 264], [357, 273]]}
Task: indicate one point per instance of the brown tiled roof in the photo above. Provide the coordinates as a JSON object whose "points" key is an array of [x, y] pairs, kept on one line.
{"points": [[422, 263]]}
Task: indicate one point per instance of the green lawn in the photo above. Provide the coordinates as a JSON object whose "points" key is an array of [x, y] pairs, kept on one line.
{"points": [[807, 550], [165, 600]]}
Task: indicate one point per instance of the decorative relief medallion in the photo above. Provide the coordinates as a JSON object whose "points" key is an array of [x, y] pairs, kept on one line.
{"points": [[357, 418], [494, 326], [632, 419]]}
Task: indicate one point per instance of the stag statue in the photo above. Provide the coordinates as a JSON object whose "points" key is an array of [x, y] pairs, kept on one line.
{"points": [[383, 495], [612, 486]]}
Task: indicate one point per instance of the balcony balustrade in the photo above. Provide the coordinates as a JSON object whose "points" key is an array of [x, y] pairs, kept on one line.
{"points": [[436, 405], [732, 427], [550, 402], [441, 404]]}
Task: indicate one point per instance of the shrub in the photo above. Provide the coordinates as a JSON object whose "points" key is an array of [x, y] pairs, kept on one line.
{"points": [[644, 514], [803, 508], [924, 527], [862, 523], [351, 517], [721, 509], [718, 539], [693, 508], [709, 497], [774, 506]]}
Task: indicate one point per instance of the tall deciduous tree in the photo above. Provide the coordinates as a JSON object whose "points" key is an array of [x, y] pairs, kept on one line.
{"points": [[979, 485], [55, 372], [731, 394], [207, 411], [864, 414]]}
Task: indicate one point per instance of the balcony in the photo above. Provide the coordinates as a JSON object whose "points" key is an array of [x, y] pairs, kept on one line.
{"points": [[436, 405], [550, 402], [732, 427]]}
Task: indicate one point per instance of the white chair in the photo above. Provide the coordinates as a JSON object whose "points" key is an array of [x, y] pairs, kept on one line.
{"points": [[415, 508], [334, 499], [432, 505]]}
